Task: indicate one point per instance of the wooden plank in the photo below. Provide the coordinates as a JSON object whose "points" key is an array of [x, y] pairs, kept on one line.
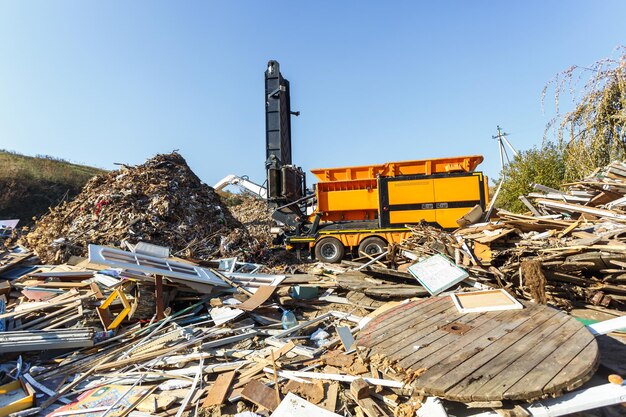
{"points": [[572, 375], [405, 313], [469, 343], [493, 378], [447, 372], [260, 394], [330, 403], [529, 205], [256, 368], [432, 316], [370, 407], [219, 390], [391, 319], [396, 291], [536, 379], [410, 342], [520, 363], [44, 306], [441, 343], [361, 300], [359, 389], [158, 294], [261, 295]]}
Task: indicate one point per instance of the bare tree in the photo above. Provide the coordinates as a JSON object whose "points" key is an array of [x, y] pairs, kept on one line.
{"points": [[592, 133]]}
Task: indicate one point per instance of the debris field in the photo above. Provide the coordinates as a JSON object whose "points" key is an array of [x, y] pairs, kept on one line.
{"points": [[147, 296]]}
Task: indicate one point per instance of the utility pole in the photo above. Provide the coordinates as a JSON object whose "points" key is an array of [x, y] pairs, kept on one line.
{"points": [[502, 141], [501, 138]]}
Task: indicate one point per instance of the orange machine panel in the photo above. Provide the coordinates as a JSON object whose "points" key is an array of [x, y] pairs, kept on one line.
{"points": [[392, 169], [347, 200]]}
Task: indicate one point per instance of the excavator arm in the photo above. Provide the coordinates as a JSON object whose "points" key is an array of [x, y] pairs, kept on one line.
{"points": [[243, 183]]}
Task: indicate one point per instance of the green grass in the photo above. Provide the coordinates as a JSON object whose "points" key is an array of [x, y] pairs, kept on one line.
{"points": [[30, 185], [44, 167]]}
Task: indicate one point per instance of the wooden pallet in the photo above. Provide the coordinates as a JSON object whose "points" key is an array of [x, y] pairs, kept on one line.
{"points": [[491, 356]]}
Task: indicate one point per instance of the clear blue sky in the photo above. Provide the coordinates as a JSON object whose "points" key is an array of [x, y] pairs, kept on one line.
{"points": [[376, 81]]}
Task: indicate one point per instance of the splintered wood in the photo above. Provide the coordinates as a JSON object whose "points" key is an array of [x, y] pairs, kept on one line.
{"points": [[260, 395], [372, 343]]}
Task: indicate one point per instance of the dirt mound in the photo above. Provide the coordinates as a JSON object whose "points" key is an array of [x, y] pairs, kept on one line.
{"points": [[161, 202]]}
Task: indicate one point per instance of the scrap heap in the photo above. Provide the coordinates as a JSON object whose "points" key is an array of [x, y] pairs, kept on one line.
{"points": [[569, 250], [125, 328], [256, 218], [216, 339], [161, 201]]}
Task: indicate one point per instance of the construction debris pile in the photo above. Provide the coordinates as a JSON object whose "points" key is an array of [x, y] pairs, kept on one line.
{"points": [[161, 201], [226, 339], [145, 296], [569, 251], [256, 219]]}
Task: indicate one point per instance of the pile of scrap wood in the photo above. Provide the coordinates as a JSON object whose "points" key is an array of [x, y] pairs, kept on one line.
{"points": [[124, 332], [138, 333], [161, 201], [256, 218], [569, 250]]}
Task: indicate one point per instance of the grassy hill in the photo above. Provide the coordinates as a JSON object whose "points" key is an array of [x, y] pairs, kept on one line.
{"points": [[29, 185]]}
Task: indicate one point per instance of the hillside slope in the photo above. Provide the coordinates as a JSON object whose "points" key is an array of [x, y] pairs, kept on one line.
{"points": [[29, 185]]}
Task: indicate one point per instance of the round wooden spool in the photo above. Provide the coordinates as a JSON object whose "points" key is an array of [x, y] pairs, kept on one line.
{"points": [[522, 354]]}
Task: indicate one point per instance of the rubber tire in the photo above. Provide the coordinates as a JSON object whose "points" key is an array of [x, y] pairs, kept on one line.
{"points": [[329, 250], [369, 243]]}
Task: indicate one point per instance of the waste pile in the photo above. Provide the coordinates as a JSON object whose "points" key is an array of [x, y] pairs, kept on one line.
{"points": [[256, 219], [124, 332], [161, 201], [569, 250], [145, 296]]}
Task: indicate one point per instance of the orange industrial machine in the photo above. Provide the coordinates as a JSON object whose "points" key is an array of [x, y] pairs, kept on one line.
{"points": [[362, 208]]}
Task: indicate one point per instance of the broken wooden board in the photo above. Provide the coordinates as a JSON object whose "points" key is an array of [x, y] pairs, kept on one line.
{"points": [[260, 394], [261, 295], [377, 288], [219, 390], [490, 356], [363, 301]]}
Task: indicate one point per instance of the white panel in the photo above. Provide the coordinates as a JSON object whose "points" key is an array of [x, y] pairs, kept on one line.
{"points": [[152, 265]]}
